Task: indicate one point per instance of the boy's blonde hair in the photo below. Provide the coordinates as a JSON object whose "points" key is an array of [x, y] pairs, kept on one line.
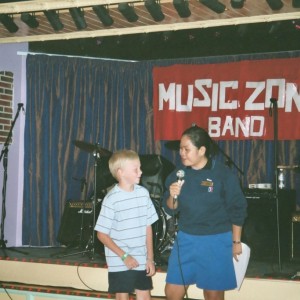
{"points": [[119, 158]]}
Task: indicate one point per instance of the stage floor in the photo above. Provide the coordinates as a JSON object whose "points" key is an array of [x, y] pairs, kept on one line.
{"points": [[71, 269], [288, 269]]}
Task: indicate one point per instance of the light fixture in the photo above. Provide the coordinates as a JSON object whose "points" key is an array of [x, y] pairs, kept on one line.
{"points": [[166, 35], [237, 3], [182, 7], [29, 20], [78, 17], [274, 27], [103, 15], [275, 4], [128, 12], [296, 3], [155, 10], [54, 20], [242, 29], [214, 5], [8, 23]]}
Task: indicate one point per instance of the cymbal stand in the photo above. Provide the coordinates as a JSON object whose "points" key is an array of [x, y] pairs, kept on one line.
{"points": [[275, 140], [91, 244], [4, 155], [83, 188]]}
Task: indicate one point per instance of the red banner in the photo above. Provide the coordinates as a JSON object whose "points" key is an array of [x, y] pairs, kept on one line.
{"points": [[233, 101]]}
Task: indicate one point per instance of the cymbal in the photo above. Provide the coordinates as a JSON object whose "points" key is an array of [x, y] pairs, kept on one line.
{"points": [[89, 147], [173, 145]]}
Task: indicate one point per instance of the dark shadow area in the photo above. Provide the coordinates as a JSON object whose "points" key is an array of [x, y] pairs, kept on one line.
{"points": [[224, 40]]}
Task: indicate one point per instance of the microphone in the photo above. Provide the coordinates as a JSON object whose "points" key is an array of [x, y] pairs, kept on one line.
{"points": [[180, 176]]}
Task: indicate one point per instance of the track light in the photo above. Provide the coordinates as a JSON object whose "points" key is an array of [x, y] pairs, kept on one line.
{"points": [[103, 15], [155, 10], [78, 17], [214, 5], [128, 12], [54, 20], [275, 4], [182, 7], [8, 23], [237, 3], [29, 20]]}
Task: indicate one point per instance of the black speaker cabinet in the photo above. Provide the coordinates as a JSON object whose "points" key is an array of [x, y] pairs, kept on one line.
{"points": [[76, 223], [264, 232]]}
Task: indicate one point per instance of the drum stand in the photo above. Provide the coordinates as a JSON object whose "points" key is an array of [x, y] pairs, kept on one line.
{"points": [[90, 246]]}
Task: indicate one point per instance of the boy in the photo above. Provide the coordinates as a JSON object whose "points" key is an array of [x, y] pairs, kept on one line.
{"points": [[124, 228]]}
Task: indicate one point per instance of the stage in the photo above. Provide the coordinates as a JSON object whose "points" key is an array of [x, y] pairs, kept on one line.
{"points": [[61, 273]]}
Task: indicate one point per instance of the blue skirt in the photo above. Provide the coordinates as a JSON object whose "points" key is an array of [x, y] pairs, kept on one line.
{"points": [[204, 260]]}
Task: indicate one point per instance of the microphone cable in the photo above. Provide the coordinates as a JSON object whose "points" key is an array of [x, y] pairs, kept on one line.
{"points": [[178, 254]]}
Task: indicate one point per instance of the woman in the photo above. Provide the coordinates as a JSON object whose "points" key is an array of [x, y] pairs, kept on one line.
{"points": [[212, 209]]}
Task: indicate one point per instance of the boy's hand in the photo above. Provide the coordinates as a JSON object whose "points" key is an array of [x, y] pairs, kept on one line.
{"points": [[131, 262], [150, 267]]}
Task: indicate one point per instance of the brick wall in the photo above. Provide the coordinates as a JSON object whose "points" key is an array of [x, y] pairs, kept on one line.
{"points": [[6, 101]]}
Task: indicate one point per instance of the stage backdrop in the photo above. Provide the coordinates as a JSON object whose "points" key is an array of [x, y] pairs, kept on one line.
{"points": [[109, 104], [233, 101]]}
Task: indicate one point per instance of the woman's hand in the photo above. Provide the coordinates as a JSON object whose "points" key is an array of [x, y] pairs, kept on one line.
{"points": [[236, 250], [175, 188]]}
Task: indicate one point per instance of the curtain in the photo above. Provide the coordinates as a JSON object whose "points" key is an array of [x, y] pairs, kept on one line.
{"points": [[108, 106]]}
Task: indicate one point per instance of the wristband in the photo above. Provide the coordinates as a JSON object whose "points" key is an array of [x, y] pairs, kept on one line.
{"points": [[123, 257], [236, 242], [151, 260]]}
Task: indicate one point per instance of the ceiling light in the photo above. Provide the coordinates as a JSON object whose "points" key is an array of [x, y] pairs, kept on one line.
{"points": [[54, 20], [274, 27], [242, 29], [275, 4], [78, 17], [128, 12], [182, 7], [296, 3], [29, 20], [214, 5], [155, 10], [103, 15], [8, 23], [237, 3]]}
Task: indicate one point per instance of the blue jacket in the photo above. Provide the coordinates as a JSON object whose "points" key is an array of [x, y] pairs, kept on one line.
{"points": [[210, 202]]}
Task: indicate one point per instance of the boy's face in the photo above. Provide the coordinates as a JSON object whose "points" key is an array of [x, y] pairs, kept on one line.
{"points": [[131, 172]]}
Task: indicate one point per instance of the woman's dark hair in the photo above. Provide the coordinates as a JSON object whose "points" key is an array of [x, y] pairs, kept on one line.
{"points": [[199, 137]]}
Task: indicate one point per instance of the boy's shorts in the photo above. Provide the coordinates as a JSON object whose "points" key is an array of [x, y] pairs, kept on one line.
{"points": [[129, 281]]}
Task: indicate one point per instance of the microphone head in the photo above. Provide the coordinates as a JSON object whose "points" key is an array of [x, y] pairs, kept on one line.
{"points": [[180, 174]]}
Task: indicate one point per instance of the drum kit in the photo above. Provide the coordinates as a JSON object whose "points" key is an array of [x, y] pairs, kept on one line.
{"points": [[164, 230]]}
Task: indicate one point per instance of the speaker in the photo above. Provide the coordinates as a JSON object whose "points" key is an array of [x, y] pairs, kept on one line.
{"points": [[260, 230], [76, 223]]}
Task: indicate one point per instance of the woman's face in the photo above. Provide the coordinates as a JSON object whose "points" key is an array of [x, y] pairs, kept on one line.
{"points": [[190, 155]]}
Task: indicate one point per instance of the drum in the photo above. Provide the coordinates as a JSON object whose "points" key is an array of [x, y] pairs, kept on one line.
{"points": [[159, 228], [164, 230]]}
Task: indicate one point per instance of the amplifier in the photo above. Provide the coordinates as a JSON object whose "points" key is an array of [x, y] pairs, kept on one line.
{"points": [[259, 193], [80, 204], [260, 230], [77, 222]]}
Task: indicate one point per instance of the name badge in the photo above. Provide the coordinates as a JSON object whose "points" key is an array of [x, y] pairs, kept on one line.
{"points": [[207, 183]]}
